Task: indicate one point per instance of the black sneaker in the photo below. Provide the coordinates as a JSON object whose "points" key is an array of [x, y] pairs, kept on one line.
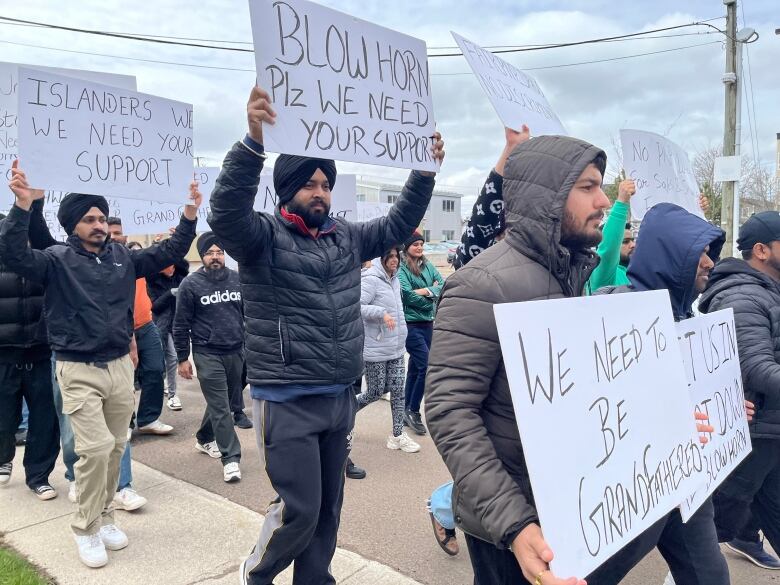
{"points": [[414, 421], [5, 473], [44, 492], [355, 472], [241, 420], [755, 553]]}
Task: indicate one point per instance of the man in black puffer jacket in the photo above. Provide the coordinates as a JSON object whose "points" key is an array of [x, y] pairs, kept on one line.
{"points": [[25, 371], [300, 276], [751, 287]]}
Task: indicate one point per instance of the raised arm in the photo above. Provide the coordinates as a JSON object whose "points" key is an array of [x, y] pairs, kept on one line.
{"points": [[612, 239], [233, 219], [377, 236]]}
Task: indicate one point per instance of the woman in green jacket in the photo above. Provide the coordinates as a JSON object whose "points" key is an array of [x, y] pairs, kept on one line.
{"points": [[420, 288]]}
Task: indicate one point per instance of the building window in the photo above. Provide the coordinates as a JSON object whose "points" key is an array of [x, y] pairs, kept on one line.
{"points": [[448, 205], [392, 198], [361, 196], [448, 234], [427, 235]]}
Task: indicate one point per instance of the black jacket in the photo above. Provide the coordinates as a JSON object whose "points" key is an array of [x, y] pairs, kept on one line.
{"points": [[302, 294], [89, 297], [159, 288], [22, 327], [755, 299], [209, 311]]}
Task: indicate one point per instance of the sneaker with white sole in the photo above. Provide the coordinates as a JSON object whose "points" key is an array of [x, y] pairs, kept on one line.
{"points": [[174, 403], [5, 473], [156, 428], [44, 492], [113, 538], [242, 573], [402, 442], [92, 551], [211, 449], [73, 493], [231, 473], [127, 499]]}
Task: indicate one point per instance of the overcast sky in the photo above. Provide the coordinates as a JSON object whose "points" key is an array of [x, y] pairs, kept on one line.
{"points": [[679, 93]]}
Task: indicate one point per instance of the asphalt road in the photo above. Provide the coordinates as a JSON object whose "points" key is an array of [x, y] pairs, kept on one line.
{"points": [[384, 516]]}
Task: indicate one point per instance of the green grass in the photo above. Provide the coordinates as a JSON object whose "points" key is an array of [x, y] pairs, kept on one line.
{"points": [[16, 571]]}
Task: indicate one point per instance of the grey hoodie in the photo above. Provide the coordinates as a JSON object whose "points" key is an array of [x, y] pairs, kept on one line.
{"points": [[380, 294]]}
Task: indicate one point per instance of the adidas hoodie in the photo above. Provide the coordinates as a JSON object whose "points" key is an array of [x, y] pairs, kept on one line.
{"points": [[209, 312]]}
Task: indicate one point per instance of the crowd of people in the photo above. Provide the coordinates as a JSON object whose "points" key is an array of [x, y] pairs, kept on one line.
{"points": [[317, 305]]}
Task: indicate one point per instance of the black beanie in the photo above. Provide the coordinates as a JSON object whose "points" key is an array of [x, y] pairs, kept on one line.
{"points": [[415, 237], [74, 206], [205, 241], [292, 172]]}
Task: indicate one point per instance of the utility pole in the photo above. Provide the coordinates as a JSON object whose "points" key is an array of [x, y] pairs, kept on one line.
{"points": [[730, 123]]}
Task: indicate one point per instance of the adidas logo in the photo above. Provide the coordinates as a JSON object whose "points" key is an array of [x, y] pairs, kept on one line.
{"points": [[220, 297]]}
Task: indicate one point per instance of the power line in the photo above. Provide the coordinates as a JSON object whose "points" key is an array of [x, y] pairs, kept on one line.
{"points": [[754, 143]]}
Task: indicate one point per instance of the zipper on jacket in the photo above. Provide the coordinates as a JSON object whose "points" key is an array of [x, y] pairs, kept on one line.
{"points": [[332, 308], [281, 342]]}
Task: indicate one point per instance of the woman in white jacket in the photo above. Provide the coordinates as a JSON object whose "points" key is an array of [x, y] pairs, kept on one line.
{"points": [[385, 339]]}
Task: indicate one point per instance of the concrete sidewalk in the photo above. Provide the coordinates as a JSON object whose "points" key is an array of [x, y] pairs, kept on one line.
{"points": [[183, 536]]}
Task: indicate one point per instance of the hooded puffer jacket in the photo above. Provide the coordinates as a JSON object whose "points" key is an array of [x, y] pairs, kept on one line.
{"points": [[755, 299], [380, 294], [468, 404]]}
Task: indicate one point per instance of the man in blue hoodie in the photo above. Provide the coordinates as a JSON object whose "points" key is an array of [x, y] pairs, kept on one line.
{"points": [[677, 251]]}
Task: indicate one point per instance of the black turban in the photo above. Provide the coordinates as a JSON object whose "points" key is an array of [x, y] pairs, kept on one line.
{"points": [[292, 172], [74, 206], [205, 241]]}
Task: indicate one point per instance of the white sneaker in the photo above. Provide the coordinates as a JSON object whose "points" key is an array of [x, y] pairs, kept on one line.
{"points": [[5, 473], [210, 449], [92, 551], [174, 403], [128, 500], [402, 442], [113, 538], [231, 473], [156, 428], [73, 493]]}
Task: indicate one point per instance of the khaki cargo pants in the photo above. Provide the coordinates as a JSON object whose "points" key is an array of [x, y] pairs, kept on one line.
{"points": [[99, 399]]}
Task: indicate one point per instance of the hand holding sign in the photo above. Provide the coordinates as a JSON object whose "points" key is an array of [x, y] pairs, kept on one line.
{"points": [[259, 110], [513, 139], [21, 188], [191, 209], [534, 556], [437, 152], [626, 190], [703, 426]]}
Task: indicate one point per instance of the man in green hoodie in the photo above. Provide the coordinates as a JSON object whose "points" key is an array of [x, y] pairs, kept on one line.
{"points": [[617, 243]]}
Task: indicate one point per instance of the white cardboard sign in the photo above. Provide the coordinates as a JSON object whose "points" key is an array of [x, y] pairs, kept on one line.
{"points": [[708, 344], [9, 101], [662, 172], [82, 136], [342, 88], [607, 426], [366, 211], [515, 95]]}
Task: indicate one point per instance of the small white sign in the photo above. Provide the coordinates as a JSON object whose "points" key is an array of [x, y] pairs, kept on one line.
{"points": [[367, 211], [662, 172], [515, 95], [607, 425], [81, 136], [343, 88], [708, 344], [728, 168]]}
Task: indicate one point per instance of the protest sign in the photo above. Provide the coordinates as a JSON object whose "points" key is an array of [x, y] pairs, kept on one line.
{"points": [[366, 211], [146, 217], [9, 101], [82, 136], [708, 345], [515, 96], [342, 87], [661, 170], [607, 426]]}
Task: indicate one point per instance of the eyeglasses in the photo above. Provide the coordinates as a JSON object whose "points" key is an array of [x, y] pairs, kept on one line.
{"points": [[217, 254]]}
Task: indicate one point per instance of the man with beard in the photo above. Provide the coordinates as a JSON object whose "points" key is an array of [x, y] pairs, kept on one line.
{"points": [[749, 498], [88, 305], [209, 313], [300, 276]]}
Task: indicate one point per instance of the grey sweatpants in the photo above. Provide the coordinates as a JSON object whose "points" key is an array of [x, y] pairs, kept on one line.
{"points": [[219, 375], [305, 443]]}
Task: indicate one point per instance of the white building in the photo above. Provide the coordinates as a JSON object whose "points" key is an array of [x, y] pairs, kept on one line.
{"points": [[442, 219]]}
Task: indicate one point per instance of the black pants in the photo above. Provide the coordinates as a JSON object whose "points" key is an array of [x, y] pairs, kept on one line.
{"points": [[691, 551], [237, 391], [305, 444], [750, 496], [151, 373], [33, 382], [219, 376]]}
